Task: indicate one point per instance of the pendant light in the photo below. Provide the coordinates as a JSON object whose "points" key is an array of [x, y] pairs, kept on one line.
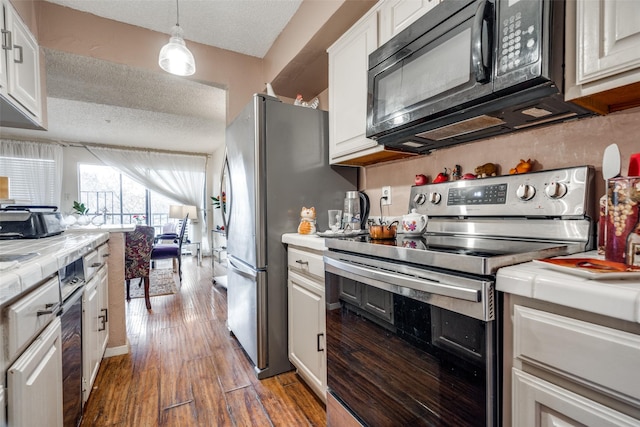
{"points": [[174, 57]]}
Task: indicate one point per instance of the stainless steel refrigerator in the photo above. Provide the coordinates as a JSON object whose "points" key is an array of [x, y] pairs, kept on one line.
{"points": [[277, 162]]}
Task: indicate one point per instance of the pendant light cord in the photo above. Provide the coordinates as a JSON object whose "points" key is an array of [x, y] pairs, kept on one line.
{"points": [[177, 14]]}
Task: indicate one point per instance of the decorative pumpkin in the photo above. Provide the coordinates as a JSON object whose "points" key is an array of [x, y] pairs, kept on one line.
{"points": [[522, 167]]}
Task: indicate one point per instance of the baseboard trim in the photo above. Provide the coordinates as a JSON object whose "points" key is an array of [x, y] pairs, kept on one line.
{"points": [[117, 351]]}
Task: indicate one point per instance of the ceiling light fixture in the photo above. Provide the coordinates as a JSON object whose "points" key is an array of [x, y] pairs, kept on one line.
{"points": [[174, 57]]}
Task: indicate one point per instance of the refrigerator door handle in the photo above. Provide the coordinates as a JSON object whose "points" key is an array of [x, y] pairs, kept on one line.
{"points": [[224, 206], [242, 268]]}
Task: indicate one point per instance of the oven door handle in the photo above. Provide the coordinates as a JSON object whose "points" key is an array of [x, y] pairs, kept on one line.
{"points": [[391, 279]]}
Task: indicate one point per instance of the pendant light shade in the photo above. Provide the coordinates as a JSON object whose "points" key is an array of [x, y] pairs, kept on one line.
{"points": [[174, 57]]}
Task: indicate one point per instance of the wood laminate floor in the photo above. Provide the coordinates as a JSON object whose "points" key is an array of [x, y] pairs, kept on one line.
{"points": [[184, 369]]}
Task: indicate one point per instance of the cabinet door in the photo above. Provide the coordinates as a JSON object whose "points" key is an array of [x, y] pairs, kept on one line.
{"points": [[540, 403], [103, 313], [608, 40], [90, 325], [23, 65], [396, 15], [307, 331], [348, 66], [34, 382], [3, 55]]}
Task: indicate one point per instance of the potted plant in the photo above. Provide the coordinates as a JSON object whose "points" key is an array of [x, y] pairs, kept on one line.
{"points": [[82, 212]]}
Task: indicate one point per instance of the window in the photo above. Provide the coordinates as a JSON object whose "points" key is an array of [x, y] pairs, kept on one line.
{"points": [[34, 171], [106, 191]]}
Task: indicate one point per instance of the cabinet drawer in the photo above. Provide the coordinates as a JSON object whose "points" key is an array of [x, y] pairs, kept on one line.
{"points": [[306, 262], [93, 261], [27, 317], [103, 253], [599, 357], [538, 402]]}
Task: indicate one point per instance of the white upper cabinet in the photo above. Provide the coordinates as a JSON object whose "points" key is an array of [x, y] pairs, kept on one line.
{"points": [[606, 53], [20, 72], [348, 65], [396, 15], [3, 56]]}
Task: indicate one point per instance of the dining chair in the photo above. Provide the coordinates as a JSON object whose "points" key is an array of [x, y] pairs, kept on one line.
{"points": [[171, 250], [137, 258], [169, 232]]}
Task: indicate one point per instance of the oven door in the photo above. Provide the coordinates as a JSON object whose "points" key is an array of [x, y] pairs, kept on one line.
{"points": [[394, 357], [439, 64]]}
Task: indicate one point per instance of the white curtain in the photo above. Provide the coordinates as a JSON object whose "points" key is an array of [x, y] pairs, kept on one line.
{"points": [[34, 170], [180, 177]]}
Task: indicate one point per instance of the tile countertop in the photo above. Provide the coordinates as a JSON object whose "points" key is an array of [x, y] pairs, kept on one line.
{"points": [[309, 241], [619, 299], [53, 253]]}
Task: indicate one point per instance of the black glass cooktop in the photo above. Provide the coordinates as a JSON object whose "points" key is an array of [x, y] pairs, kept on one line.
{"points": [[469, 254]]}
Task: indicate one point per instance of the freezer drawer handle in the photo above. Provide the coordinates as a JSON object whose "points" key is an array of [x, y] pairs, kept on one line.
{"points": [[50, 309]]}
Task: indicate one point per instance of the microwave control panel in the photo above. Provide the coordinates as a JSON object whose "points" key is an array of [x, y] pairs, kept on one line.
{"points": [[518, 41]]}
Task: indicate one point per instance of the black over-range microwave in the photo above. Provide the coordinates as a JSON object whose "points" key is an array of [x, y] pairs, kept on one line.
{"points": [[469, 69]]}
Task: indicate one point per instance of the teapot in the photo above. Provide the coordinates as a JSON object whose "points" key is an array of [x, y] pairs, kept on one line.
{"points": [[414, 223]]}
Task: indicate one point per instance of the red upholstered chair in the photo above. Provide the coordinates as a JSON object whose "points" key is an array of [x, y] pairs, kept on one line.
{"points": [[137, 258]]}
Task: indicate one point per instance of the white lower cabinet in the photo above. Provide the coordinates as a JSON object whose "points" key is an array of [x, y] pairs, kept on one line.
{"points": [[307, 325], [34, 382], [569, 371], [540, 403], [94, 328], [3, 407]]}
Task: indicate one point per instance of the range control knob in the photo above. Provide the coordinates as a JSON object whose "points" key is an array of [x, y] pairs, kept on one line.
{"points": [[556, 190], [525, 192], [419, 199], [435, 198]]}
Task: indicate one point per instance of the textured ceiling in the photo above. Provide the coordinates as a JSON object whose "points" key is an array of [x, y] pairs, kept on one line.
{"points": [[98, 102], [245, 26]]}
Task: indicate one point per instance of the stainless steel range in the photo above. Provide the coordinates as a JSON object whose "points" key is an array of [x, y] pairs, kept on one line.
{"points": [[413, 326]]}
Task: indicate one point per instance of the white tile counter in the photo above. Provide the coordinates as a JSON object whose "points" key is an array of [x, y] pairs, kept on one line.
{"points": [[53, 253], [619, 299], [309, 241]]}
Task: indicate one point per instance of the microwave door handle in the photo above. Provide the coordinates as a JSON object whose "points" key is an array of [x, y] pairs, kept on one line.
{"points": [[478, 41]]}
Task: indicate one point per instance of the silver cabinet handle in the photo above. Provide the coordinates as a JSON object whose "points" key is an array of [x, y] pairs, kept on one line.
{"points": [[106, 314], [105, 255], [301, 262], [96, 264], [103, 319], [19, 49], [6, 40]]}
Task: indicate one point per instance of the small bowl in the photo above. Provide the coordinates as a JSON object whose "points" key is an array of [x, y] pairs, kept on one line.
{"points": [[381, 232]]}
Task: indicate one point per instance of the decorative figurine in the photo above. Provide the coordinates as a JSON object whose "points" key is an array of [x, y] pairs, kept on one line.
{"points": [[421, 179], [522, 167], [488, 169], [442, 177], [457, 173], [307, 221]]}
